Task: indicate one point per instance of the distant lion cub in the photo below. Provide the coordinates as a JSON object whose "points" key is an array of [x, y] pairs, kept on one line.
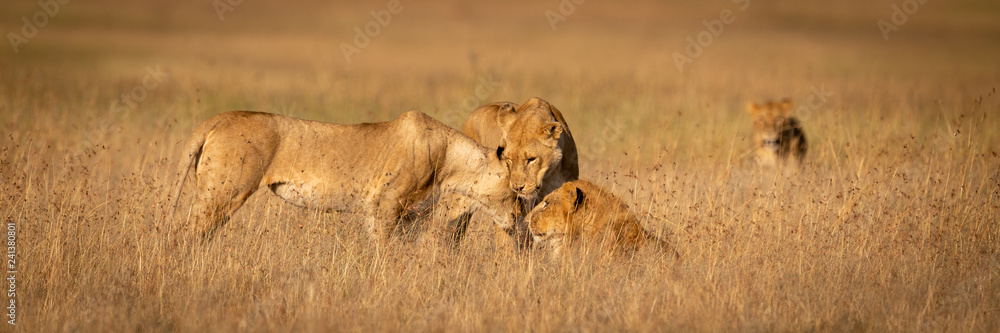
{"points": [[582, 211], [777, 136]]}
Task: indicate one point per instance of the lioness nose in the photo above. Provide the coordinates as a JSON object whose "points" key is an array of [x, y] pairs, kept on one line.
{"points": [[519, 188]]}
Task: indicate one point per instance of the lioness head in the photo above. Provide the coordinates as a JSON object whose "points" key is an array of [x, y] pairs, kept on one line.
{"points": [[550, 222], [532, 145]]}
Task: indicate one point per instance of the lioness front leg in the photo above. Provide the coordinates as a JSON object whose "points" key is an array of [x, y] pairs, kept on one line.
{"points": [[514, 237], [451, 219], [381, 221]]}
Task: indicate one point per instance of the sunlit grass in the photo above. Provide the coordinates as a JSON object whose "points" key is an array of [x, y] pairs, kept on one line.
{"points": [[890, 225]]}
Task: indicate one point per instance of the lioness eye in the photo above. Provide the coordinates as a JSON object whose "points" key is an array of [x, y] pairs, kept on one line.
{"points": [[531, 159]]}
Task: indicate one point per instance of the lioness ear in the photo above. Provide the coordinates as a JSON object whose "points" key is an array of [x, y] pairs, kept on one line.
{"points": [[533, 103], [506, 115], [551, 132], [785, 107]]}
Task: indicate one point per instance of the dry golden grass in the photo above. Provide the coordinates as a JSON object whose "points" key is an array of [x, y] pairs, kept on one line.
{"points": [[892, 224]]}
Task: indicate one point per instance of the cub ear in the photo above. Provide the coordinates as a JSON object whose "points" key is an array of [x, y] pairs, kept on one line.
{"points": [[785, 107], [577, 198], [550, 133], [506, 115]]}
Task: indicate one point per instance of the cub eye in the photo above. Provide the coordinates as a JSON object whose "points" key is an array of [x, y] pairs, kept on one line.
{"points": [[531, 159]]}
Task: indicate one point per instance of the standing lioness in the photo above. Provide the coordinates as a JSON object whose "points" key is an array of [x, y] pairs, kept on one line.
{"points": [[581, 211], [377, 169]]}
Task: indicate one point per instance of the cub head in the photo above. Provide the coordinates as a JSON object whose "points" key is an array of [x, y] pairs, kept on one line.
{"points": [[551, 220], [531, 136], [769, 120]]}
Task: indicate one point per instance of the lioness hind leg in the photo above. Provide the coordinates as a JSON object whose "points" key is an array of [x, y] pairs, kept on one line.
{"points": [[213, 210], [226, 177]]}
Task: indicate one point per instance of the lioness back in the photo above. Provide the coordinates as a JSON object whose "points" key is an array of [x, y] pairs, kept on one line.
{"points": [[292, 154], [585, 212]]}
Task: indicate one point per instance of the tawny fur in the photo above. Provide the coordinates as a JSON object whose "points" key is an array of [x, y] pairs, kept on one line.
{"points": [[376, 169], [540, 152], [582, 212], [778, 138]]}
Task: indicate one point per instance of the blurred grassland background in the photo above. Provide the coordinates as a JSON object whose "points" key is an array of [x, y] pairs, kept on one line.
{"points": [[891, 225]]}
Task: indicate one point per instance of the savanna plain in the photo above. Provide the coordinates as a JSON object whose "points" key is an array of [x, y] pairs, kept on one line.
{"points": [[891, 224]]}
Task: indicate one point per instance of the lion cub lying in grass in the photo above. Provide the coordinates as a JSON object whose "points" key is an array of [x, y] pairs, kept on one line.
{"points": [[582, 211]]}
